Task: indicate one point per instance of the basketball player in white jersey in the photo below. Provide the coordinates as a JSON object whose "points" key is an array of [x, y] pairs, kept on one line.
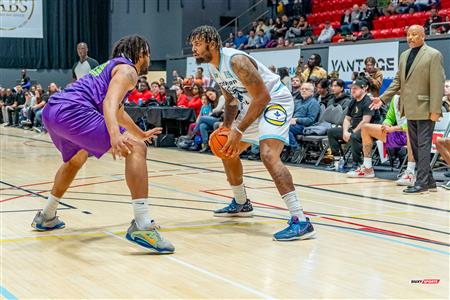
{"points": [[258, 110]]}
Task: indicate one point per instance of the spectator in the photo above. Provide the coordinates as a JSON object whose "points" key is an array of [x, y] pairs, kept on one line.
{"points": [[36, 111], [262, 26], [202, 79], [355, 18], [443, 146], [141, 95], [374, 75], [365, 34], [358, 114], [393, 134], [284, 77], [23, 114], [446, 98], [205, 110], [313, 68], [277, 28], [404, 6], [25, 81], [280, 43], [327, 33], [366, 17], [309, 41], [240, 40], [340, 97], [9, 100], [182, 99], [2, 103], [296, 84], [434, 18], [300, 67], [195, 101], [306, 113], [349, 37], [85, 64], [154, 86], [346, 22], [323, 93], [162, 94], [162, 81], [421, 5], [261, 40], [285, 25], [206, 123], [252, 40], [19, 103]]}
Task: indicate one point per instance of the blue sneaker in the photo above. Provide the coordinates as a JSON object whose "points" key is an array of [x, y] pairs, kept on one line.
{"points": [[40, 223], [149, 238], [295, 231], [235, 210]]}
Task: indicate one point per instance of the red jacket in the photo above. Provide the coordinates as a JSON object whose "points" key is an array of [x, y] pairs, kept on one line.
{"points": [[183, 101], [135, 95], [196, 103]]}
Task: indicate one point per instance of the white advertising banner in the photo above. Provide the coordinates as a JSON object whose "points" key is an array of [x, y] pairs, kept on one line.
{"points": [[191, 67], [21, 19], [347, 59], [279, 58]]}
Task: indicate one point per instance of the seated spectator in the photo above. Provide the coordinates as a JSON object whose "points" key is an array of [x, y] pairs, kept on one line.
{"points": [[374, 75], [393, 133], [25, 81], [306, 113], [298, 29], [434, 18], [365, 34], [340, 97], [404, 6], [16, 107], [323, 93], [300, 67], [252, 40], [24, 112], [313, 68], [284, 77], [355, 18], [182, 99], [421, 5], [296, 83], [162, 94], [36, 111], [358, 114], [443, 146], [446, 98], [285, 25], [262, 26], [2, 102], [346, 22], [347, 38], [205, 110], [240, 40], [366, 17], [206, 123], [327, 33], [261, 40], [8, 101], [140, 95], [280, 43], [195, 101], [155, 90]]}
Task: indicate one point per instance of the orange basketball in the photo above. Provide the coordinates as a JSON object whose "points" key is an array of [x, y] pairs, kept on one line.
{"points": [[217, 141]]}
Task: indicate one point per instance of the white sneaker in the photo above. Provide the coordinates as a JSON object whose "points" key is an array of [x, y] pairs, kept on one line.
{"points": [[407, 178], [361, 172]]}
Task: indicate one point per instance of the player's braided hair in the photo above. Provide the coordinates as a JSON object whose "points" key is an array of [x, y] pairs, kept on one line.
{"points": [[208, 34], [131, 47]]}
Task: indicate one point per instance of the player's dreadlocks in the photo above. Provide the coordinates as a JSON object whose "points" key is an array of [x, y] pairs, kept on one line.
{"points": [[208, 34], [131, 47]]}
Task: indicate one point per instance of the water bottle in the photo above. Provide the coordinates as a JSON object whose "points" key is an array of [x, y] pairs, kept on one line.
{"points": [[140, 101], [341, 166]]}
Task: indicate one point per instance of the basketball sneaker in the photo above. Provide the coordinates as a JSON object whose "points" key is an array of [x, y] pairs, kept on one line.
{"points": [[40, 223], [149, 238], [295, 231], [361, 172], [235, 209], [408, 178]]}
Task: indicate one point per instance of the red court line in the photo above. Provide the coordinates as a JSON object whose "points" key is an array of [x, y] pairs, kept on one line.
{"points": [[47, 182], [362, 227]]}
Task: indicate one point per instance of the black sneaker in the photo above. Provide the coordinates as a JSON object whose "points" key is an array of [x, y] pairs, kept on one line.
{"points": [[235, 210]]}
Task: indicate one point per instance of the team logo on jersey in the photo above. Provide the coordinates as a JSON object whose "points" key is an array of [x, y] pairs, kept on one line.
{"points": [[228, 74], [275, 114]]}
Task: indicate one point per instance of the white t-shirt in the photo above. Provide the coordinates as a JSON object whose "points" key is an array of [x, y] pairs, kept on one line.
{"points": [[82, 69]]}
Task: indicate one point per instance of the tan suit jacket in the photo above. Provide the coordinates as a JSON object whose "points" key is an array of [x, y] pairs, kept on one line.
{"points": [[422, 90]]}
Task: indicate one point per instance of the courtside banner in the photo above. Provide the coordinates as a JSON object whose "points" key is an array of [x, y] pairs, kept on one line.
{"points": [[347, 59], [279, 58], [21, 19]]}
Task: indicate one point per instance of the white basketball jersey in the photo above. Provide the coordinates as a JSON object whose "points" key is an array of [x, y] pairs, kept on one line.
{"points": [[227, 80]]}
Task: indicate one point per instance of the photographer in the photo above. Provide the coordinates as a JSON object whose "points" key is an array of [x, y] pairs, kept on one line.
{"points": [[374, 75]]}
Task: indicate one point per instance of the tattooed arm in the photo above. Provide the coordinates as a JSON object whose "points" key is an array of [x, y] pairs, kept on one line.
{"points": [[230, 109], [247, 73]]}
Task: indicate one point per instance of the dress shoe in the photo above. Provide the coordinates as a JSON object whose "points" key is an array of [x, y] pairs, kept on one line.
{"points": [[416, 190]]}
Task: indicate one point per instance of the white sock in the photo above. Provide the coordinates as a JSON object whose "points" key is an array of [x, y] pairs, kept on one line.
{"points": [[239, 193], [49, 210], [294, 206], [411, 167], [368, 162], [141, 215]]}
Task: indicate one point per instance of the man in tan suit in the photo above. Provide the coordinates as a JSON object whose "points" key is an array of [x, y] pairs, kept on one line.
{"points": [[420, 80]]}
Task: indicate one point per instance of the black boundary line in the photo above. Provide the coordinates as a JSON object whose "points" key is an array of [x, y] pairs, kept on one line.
{"points": [[269, 180], [276, 218], [309, 187], [29, 210], [33, 193], [268, 208]]}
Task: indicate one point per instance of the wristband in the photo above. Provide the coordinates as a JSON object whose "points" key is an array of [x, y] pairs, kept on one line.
{"points": [[238, 130]]}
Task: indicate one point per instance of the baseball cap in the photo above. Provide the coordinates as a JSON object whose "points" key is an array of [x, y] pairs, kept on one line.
{"points": [[359, 83]]}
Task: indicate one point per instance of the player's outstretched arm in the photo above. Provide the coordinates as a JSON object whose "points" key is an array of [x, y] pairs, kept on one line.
{"points": [[247, 73]]}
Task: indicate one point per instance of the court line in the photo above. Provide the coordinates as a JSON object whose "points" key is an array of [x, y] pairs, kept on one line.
{"points": [[7, 294], [204, 271]]}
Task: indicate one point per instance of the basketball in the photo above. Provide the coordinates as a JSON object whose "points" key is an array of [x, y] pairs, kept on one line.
{"points": [[217, 141]]}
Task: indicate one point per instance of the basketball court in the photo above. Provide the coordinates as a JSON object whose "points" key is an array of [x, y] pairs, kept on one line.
{"points": [[372, 241]]}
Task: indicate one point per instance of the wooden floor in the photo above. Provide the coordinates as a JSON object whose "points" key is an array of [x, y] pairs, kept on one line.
{"points": [[372, 241]]}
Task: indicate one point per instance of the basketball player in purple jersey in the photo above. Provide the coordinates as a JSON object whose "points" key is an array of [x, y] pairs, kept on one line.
{"points": [[88, 117]]}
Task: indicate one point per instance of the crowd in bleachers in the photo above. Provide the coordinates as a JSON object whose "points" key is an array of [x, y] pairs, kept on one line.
{"points": [[307, 22]]}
